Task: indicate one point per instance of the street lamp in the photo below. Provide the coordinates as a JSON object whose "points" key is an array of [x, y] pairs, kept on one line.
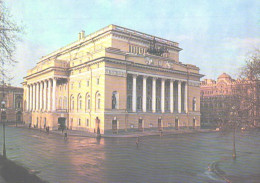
{"points": [[3, 118]]}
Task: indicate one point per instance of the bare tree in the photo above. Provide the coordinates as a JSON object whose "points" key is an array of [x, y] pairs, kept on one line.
{"points": [[9, 34], [249, 89]]}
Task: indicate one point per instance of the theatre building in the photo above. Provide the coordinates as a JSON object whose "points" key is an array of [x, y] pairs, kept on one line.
{"points": [[112, 80]]}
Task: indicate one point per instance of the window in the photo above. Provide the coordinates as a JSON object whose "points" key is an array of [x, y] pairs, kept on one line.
{"points": [[149, 103], [72, 102], [79, 101], [87, 101], [98, 100], [60, 103], [64, 102], [79, 122], [71, 86], [194, 104], [139, 103], [114, 100], [87, 83], [129, 102], [97, 81], [158, 104], [87, 122], [79, 84]]}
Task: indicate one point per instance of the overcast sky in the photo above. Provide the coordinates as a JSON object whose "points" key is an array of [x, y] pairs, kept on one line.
{"points": [[215, 35]]}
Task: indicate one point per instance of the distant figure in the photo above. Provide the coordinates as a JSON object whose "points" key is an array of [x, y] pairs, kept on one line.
{"points": [[161, 133], [65, 136], [30, 124], [137, 142]]}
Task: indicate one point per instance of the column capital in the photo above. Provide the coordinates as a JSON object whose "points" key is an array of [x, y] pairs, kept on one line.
{"points": [[134, 75]]}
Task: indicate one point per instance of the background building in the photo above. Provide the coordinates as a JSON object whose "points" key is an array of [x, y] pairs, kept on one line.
{"points": [[13, 97], [216, 97], [111, 80]]}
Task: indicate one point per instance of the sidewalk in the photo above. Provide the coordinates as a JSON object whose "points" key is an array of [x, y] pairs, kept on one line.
{"points": [[12, 172], [125, 134]]}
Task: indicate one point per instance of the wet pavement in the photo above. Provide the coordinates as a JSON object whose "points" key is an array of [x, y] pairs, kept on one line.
{"points": [[189, 157]]}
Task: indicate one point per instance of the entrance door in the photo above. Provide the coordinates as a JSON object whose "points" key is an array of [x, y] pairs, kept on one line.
{"points": [[97, 130], [160, 124], [114, 126], [194, 123], [140, 125], [62, 123], [176, 124]]}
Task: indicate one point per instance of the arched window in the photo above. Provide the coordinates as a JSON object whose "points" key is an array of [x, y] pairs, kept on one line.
{"points": [[115, 100], [129, 102], [194, 104], [87, 101], [79, 102], [139, 103], [72, 102], [98, 100], [149, 103], [64, 102], [60, 103]]}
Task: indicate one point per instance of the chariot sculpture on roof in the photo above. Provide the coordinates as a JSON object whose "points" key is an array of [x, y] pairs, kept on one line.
{"points": [[156, 50]]}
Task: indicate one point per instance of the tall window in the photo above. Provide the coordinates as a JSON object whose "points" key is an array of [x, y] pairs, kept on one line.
{"points": [[194, 104], [114, 100], [98, 100], [64, 102], [72, 102], [149, 103], [79, 101], [60, 103], [158, 103], [18, 102], [129, 102], [87, 101], [139, 103]]}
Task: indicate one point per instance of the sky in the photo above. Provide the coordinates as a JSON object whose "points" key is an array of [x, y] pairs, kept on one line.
{"points": [[215, 35]]}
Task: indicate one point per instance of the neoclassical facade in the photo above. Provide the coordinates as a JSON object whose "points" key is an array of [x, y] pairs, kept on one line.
{"points": [[112, 80]]}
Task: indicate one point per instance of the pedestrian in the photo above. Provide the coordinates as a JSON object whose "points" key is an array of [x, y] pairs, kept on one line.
{"points": [[65, 136], [161, 133], [137, 142]]}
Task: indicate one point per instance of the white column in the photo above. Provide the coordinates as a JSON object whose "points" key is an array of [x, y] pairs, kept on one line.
{"points": [[54, 95], [134, 94], [144, 93], [154, 96], [44, 95], [162, 95], [33, 100], [49, 94], [179, 96], [171, 96], [28, 98], [41, 87], [37, 96], [186, 98]]}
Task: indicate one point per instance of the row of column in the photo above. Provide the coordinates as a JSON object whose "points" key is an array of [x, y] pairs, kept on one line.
{"points": [[162, 95], [39, 95]]}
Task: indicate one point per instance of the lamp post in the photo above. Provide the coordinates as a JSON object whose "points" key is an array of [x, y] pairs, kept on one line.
{"points": [[3, 118], [233, 115]]}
